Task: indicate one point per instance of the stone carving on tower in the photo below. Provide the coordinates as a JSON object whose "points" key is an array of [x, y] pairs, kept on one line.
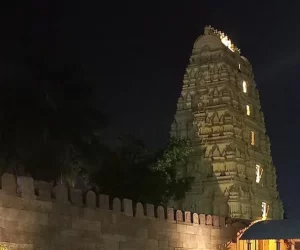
{"points": [[219, 111]]}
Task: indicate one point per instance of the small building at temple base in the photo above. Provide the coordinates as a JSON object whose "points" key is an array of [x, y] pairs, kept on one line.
{"points": [[269, 235]]}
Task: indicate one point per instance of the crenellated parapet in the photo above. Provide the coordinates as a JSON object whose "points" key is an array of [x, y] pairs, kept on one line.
{"points": [[27, 188], [39, 215]]}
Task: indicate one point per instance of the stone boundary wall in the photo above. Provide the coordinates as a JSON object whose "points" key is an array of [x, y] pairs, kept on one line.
{"points": [[36, 215]]}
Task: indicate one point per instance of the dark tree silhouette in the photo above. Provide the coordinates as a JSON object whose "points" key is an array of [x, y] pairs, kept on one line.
{"points": [[130, 172], [50, 125]]}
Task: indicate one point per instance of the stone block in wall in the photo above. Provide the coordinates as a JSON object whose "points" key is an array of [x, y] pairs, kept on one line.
{"points": [[187, 217], [195, 218], [160, 213], [44, 190], [150, 210], [116, 205], [208, 220], [26, 187], [170, 214], [85, 225], [152, 244], [111, 244], [175, 244], [132, 245], [61, 193], [192, 229], [141, 233], [216, 220], [127, 206], [202, 219], [76, 196], [139, 210], [179, 216], [191, 244], [90, 199], [104, 201], [9, 184], [163, 244]]}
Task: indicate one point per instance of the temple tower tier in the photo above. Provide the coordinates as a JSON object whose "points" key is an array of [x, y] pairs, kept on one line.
{"points": [[219, 111]]}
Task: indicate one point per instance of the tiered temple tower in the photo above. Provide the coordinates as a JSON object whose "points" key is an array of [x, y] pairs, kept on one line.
{"points": [[219, 111]]}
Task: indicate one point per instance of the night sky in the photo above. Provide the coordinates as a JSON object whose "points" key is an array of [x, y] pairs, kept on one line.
{"points": [[136, 52]]}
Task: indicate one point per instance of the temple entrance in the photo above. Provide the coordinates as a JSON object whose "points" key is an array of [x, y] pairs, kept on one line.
{"points": [[270, 235]]}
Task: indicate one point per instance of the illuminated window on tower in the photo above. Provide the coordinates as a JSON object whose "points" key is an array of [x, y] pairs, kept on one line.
{"points": [[248, 110], [259, 171], [264, 210], [252, 138], [244, 86]]}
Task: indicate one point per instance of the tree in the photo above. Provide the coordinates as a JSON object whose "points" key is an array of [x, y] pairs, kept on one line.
{"points": [[130, 172], [173, 158], [50, 126]]}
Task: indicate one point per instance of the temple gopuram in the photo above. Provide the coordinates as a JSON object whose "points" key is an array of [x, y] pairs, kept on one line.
{"points": [[219, 111]]}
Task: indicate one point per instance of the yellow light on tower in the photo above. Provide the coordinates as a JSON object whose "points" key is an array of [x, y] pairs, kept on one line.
{"points": [[209, 30], [252, 138], [248, 111], [265, 210], [227, 42], [244, 86], [259, 171]]}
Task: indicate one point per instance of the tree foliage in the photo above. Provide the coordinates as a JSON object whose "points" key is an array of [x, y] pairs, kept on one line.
{"points": [[49, 126], [130, 172]]}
